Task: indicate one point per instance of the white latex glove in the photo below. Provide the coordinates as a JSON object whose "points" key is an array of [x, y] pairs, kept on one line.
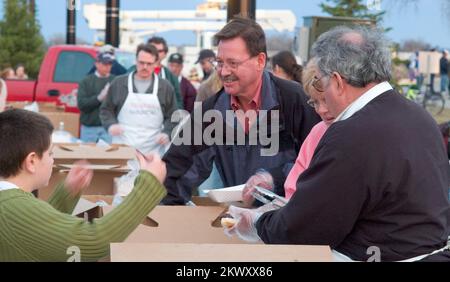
{"points": [[245, 224], [103, 93], [262, 179], [115, 130], [162, 139]]}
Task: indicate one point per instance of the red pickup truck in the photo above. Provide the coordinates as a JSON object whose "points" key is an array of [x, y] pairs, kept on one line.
{"points": [[62, 68]]}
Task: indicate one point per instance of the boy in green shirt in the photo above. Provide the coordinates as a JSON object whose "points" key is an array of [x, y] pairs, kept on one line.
{"points": [[33, 230]]}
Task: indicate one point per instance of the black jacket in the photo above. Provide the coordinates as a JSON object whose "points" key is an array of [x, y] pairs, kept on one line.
{"points": [[378, 178]]}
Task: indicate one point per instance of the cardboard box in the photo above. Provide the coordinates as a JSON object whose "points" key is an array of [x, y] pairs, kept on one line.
{"points": [[106, 162], [87, 210], [71, 121], [108, 199], [102, 183], [204, 201], [43, 106], [160, 252], [181, 224], [117, 155]]}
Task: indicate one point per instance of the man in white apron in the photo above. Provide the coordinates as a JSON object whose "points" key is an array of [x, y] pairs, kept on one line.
{"points": [[138, 109]]}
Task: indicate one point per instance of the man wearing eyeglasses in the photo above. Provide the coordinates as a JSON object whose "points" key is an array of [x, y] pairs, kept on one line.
{"points": [[377, 186], [138, 108], [248, 91], [161, 70]]}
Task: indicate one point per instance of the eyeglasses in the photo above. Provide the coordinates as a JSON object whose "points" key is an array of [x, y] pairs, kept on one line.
{"points": [[317, 84], [161, 51], [231, 64], [141, 63]]}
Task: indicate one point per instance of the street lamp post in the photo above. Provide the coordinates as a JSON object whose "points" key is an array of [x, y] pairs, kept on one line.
{"points": [[246, 8], [112, 22]]}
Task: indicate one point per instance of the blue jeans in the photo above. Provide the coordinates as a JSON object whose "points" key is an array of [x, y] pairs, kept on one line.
{"points": [[92, 134], [444, 83]]}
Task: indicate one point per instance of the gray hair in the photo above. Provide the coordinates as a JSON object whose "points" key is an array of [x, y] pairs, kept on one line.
{"points": [[361, 61]]}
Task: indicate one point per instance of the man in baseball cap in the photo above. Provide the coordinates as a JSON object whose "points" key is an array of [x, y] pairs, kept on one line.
{"points": [[92, 90], [205, 58], [106, 58], [188, 91]]}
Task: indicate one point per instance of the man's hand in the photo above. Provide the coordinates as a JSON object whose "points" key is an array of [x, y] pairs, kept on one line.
{"points": [[162, 139], [262, 179], [115, 130], [153, 164], [79, 178], [103, 93]]}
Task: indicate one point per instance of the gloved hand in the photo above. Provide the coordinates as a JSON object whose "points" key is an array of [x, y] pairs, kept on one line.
{"points": [[103, 93], [262, 179], [245, 224]]}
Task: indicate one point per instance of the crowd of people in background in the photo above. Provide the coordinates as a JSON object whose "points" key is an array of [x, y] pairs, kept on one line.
{"points": [[18, 73], [358, 164]]}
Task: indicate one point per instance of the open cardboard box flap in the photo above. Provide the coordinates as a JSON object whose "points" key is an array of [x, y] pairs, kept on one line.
{"points": [[87, 210], [181, 224], [163, 252], [111, 155]]}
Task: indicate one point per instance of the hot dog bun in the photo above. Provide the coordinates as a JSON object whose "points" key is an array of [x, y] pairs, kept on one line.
{"points": [[228, 222]]}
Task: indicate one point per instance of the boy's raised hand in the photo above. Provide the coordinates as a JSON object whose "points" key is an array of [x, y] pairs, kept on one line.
{"points": [[79, 178], [153, 164]]}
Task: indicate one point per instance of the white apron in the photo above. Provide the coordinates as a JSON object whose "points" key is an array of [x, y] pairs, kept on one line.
{"points": [[141, 119]]}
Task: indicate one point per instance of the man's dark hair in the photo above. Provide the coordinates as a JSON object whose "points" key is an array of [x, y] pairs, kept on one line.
{"points": [[147, 48], [22, 132], [159, 40], [249, 30]]}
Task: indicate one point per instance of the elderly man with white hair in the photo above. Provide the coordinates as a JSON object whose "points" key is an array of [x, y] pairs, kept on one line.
{"points": [[377, 186]]}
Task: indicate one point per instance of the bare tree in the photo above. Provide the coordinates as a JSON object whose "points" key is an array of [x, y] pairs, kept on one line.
{"points": [[279, 42], [411, 45]]}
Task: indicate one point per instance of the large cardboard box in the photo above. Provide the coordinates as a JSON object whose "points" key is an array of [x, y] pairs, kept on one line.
{"points": [[182, 224], [163, 252], [117, 155], [102, 182], [71, 121], [42, 106], [106, 162]]}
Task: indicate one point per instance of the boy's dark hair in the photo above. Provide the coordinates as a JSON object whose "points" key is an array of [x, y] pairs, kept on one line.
{"points": [[249, 30], [147, 48], [21, 133], [159, 40]]}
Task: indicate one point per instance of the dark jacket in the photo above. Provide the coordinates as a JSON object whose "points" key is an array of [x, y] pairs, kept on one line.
{"points": [[235, 162], [378, 178], [443, 66], [188, 93], [88, 90]]}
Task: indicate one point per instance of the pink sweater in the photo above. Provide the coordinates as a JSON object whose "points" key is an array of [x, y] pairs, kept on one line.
{"points": [[304, 157]]}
